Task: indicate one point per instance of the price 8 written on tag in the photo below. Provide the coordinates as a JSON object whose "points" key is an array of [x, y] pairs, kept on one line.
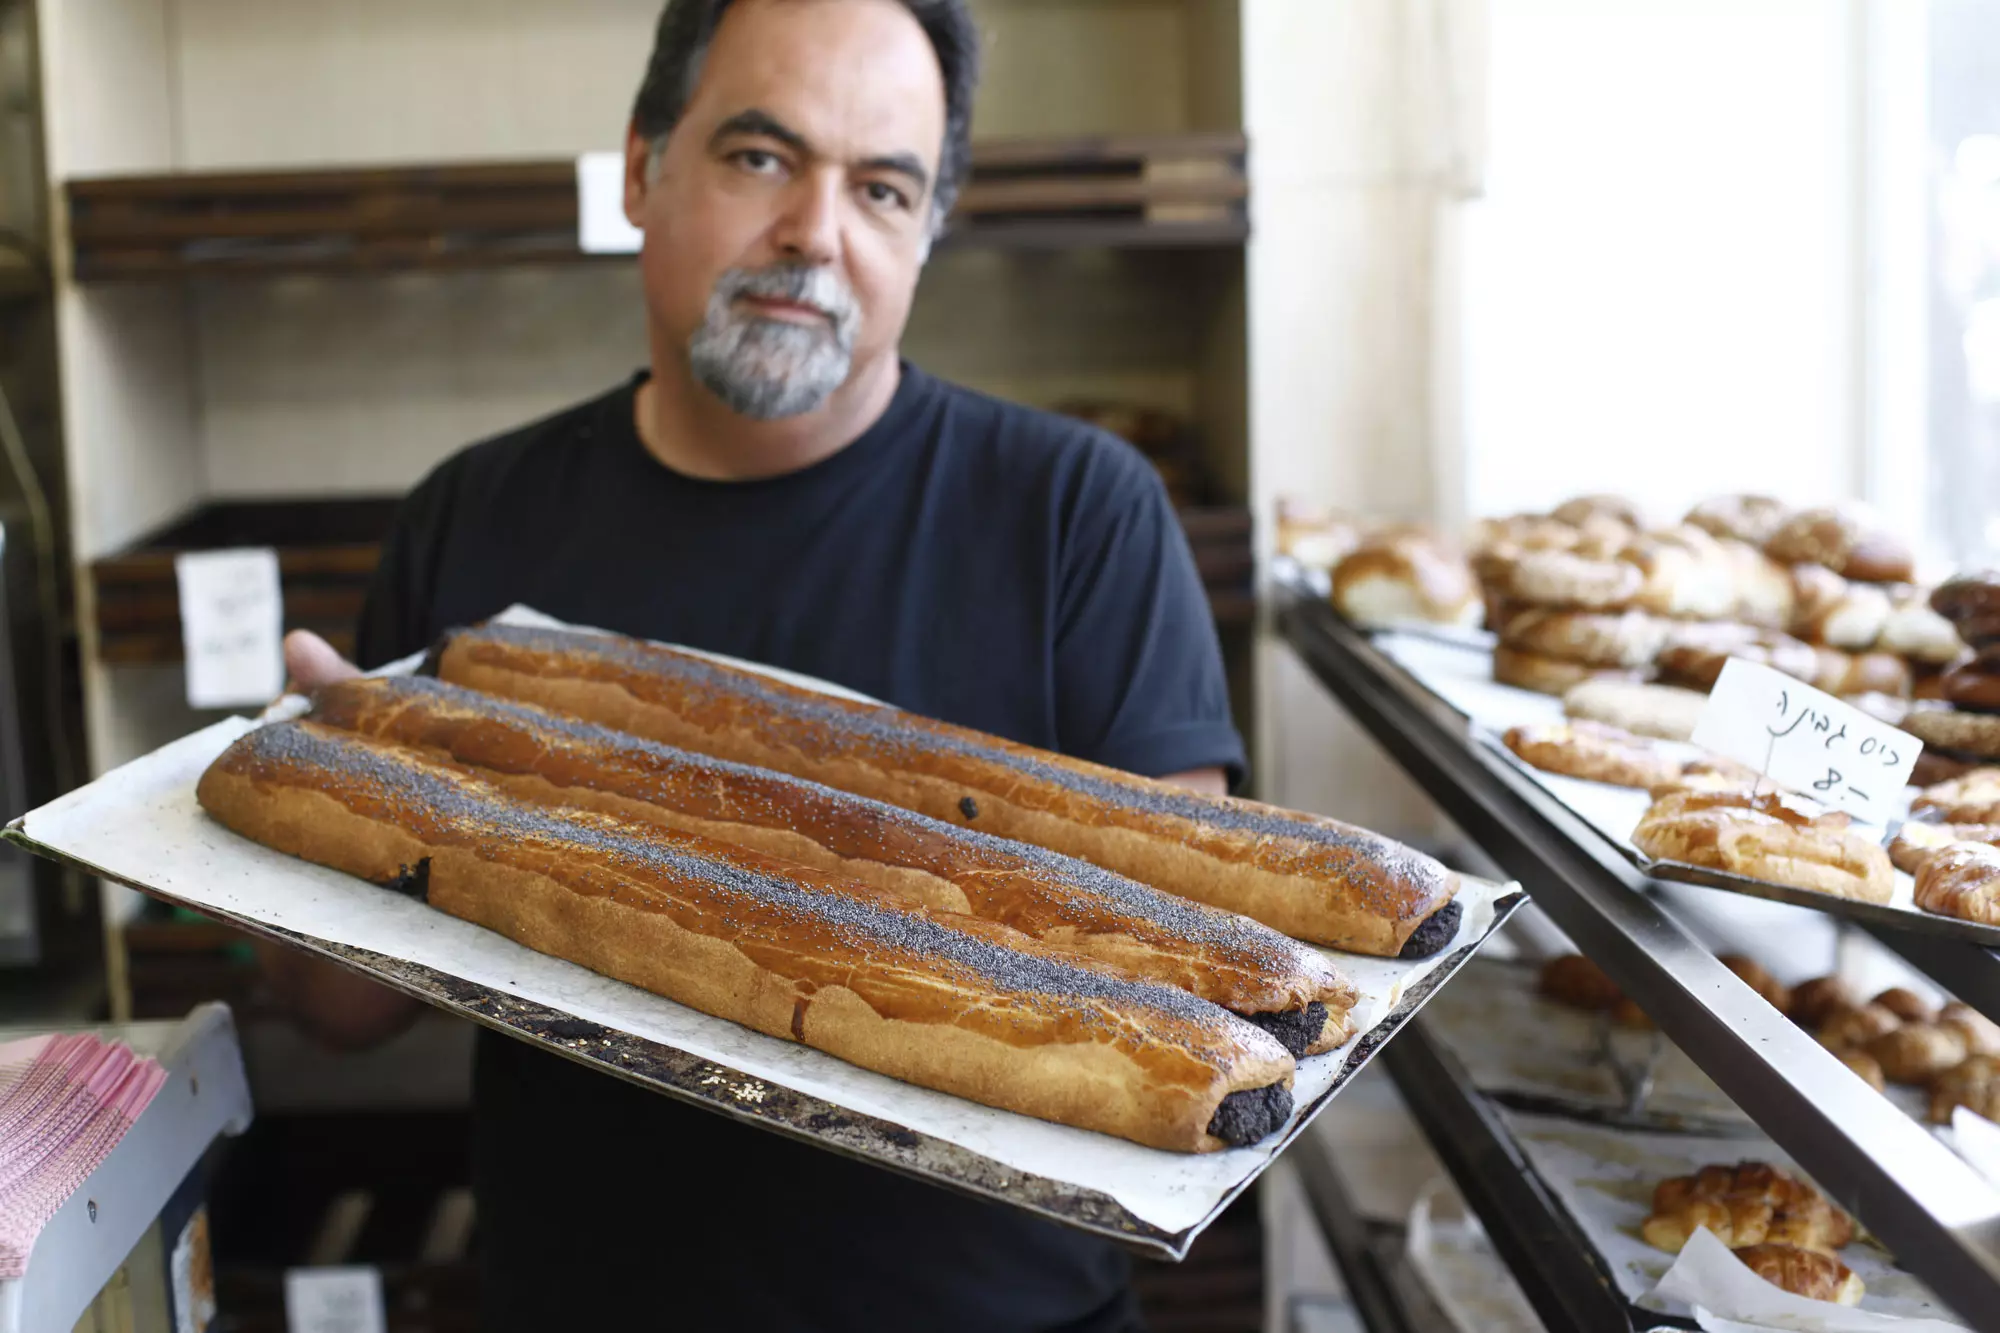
{"points": [[1807, 741]]}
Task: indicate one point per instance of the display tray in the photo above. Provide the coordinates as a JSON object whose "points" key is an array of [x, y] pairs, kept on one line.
{"points": [[1460, 676], [140, 826]]}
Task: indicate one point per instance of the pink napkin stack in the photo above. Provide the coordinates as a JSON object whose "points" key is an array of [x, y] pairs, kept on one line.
{"points": [[65, 1102]]}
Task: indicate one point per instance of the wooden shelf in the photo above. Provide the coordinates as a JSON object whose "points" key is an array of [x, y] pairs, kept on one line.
{"points": [[328, 549], [1152, 191]]}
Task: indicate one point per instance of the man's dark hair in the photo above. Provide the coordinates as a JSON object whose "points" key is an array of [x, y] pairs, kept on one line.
{"points": [[688, 26]]}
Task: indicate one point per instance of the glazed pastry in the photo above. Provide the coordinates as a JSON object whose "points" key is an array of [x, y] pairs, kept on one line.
{"points": [[1972, 797], [1565, 579], [1698, 666], [1845, 544], [1917, 1052], [1660, 711], [1749, 1204], [1551, 675], [1973, 1083], [1313, 878], [1406, 577], [1579, 983], [1961, 880], [1595, 752], [1803, 1272], [1766, 837], [1630, 639], [1916, 840]]}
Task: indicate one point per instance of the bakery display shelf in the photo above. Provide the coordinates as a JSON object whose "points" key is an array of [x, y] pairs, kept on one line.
{"points": [[1187, 190], [1353, 1242], [1900, 1181], [328, 548]]}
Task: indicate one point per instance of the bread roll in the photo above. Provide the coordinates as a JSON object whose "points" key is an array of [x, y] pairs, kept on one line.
{"points": [[1565, 579], [1803, 1272], [1813, 1002], [1631, 639], [1906, 1004], [1832, 610], [1973, 1083], [1665, 712], [1917, 1052], [1971, 602], [1843, 542], [1982, 1034], [933, 998], [1552, 675], [1848, 1029], [1915, 631], [1310, 877], [1406, 578], [1745, 518], [1594, 752], [1865, 1066], [1282, 986]]}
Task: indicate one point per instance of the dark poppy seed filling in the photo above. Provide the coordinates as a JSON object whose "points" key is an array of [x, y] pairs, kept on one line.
{"points": [[1295, 1029], [1252, 1114], [969, 808], [413, 881], [1434, 933]]}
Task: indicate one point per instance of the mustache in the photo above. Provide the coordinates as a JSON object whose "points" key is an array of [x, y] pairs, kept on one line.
{"points": [[802, 284]]}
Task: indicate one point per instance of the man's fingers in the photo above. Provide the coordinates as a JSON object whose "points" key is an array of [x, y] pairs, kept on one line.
{"points": [[311, 662]]}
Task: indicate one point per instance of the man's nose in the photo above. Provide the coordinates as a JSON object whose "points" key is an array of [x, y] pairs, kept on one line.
{"points": [[809, 227]]}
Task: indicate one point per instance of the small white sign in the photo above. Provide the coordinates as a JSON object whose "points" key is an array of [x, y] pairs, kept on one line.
{"points": [[232, 627], [601, 228], [1807, 740], [334, 1300]]}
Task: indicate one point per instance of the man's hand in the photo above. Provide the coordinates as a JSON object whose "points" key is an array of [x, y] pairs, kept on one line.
{"points": [[340, 1007], [1207, 781]]}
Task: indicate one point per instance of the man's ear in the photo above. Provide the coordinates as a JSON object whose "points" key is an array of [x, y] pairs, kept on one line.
{"points": [[638, 164]]}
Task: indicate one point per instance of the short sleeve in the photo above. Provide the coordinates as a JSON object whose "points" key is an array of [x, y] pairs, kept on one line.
{"points": [[1139, 678], [396, 616]]}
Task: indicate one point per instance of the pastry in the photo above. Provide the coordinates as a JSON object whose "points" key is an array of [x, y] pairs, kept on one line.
{"points": [[1816, 1000], [1406, 577], [1631, 639], [1564, 579], [1627, 1014], [1876, 673], [1582, 509], [1865, 1066], [1764, 593], [1973, 686], [1829, 609], [1803, 1272], [1698, 666], [1551, 675], [1847, 1029], [1915, 840], [1745, 518], [1766, 837], [1982, 1034], [1882, 707], [1283, 986], [1576, 981], [1752, 1180], [1915, 631], [1751, 1203], [1966, 734], [938, 999], [1934, 766], [1316, 538], [1972, 797], [1971, 602], [1973, 1083], [1845, 544], [1686, 574], [1917, 1052], [1312, 878], [1522, 532], [1906, 1004], [1961, 880], [1661, 711], [1593, 751], [1753, 975]]}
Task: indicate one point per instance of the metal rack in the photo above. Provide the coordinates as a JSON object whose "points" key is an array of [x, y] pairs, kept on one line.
{"points": [[1934, 1213]]}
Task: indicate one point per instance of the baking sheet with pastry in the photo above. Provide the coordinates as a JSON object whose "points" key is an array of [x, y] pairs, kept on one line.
{"points": [[1460, 677], [140, 826], [1605, 1177]]}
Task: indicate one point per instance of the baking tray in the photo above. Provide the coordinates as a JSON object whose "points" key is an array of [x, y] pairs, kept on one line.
{"points": [[140, 826], [1613, 811]]}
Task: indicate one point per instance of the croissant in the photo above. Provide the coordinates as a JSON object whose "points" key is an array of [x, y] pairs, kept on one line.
{"points": [[1750, 1203], [1973, 1083], [1803, 1272], [1918, 1052], [1973, 797], [1758, 1180], [1961, 880], [1576, 981]]}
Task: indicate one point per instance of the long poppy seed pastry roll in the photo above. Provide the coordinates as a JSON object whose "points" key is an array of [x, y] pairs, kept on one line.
{"points": [[1312, 878], [938, 999], [1284, 987]]}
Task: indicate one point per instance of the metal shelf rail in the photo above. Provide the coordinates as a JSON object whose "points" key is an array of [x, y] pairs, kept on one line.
{"points": [[1940, 1219]]}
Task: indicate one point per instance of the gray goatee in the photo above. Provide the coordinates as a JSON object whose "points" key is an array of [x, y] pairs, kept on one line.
{"points": [[770, 368]]}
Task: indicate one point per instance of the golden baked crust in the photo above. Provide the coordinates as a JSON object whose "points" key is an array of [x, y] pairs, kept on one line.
{"points": [[1312, 878], [1630, 639], [1593, 751], [933, 998], [1578, 982], [1751, 1203], [1865, 1066], [1403, 578], [1746, 518], [1973, 1083], [1765, 837], [1917, 1052], [1972, 797], [1803, 1272], [1844, 544], [1665, 712], [1906, 1004], [1831, 610], [1686, 574], [1067, 904], [1915, 841], [1851, 1028], [1961, 880], [1816, 1000], [1982, 1034], [1565, 579], [1551, 675]]}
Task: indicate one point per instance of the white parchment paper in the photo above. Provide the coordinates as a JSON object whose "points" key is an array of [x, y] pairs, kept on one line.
{"points": [[141, 824]]}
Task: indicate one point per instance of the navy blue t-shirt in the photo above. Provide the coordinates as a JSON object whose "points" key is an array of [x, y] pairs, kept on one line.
{"points": [[965, 558]]}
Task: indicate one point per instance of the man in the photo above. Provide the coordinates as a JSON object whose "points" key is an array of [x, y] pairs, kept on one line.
{"points": [[781, 487]]}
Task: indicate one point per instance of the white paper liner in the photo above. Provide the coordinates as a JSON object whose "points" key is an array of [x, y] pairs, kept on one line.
{"points": [[140, 823], [1605, 1179], [1724, 1296]]}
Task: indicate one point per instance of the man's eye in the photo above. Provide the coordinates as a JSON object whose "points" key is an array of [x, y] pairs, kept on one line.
{"points": [[758, 162], [883, 195]]}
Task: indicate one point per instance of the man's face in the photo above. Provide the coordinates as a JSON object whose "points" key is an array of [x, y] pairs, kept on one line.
{"points": [[787, 216]]}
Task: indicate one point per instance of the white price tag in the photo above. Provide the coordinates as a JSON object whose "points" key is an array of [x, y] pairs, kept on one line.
{"points": [[334, 1300], [232, 627], [1807, 740], [601, 228]]}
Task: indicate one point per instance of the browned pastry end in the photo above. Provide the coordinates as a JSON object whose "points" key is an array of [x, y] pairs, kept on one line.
{"points": [[1312, 878], [1595, 752], [1283, 986], [1753, 974], [1916, 840], [1972, 797], [1406, 577], [1580, 510], [1630, 639], [1906, 1004], [1808, 1273], [1865, 1066], [1551, 675], [938, 999], [1971, 602], [1918, 1052], [1982, 1034], [1816, 1000], [1843, 543], [1973, 1083], [1766, 837], [1578, 982], [1565, 579], [1846, 1029], [1961, 880], [1745, 518], [1664, 712]]}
